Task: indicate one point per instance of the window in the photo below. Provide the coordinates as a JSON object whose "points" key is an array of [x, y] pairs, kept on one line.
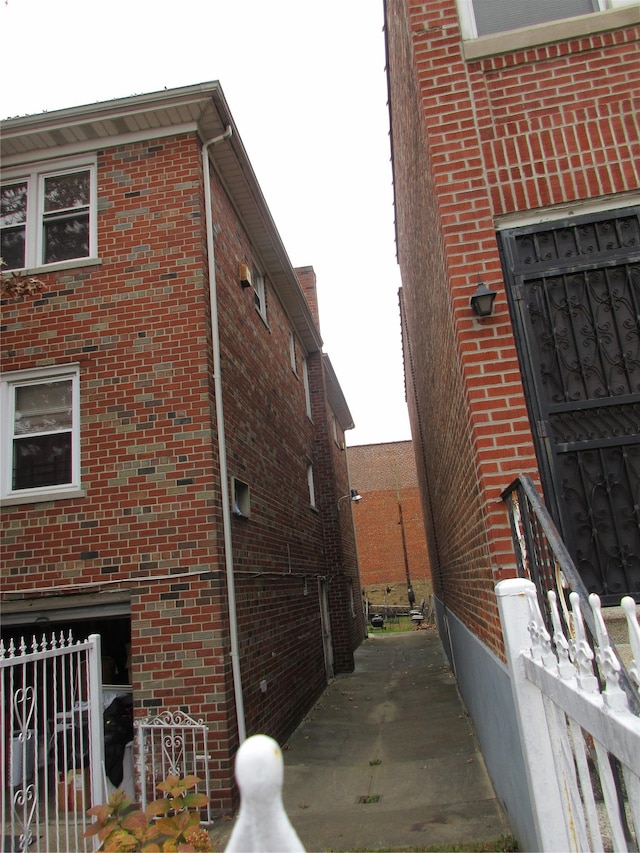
{"points": [[40, 439], [48, 217], [292, 353], [483, 17], [334, 429], [259, 294], [241, 498], [305, 381], [312, 488]]}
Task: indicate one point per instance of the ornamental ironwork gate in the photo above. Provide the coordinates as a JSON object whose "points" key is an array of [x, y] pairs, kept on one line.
{"points": [[574, 293]]}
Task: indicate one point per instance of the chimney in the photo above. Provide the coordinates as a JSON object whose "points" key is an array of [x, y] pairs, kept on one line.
{"points": [[307, 279]]}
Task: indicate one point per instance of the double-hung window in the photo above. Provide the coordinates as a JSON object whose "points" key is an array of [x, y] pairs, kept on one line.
{"points": [[48, 216], [40, 434]]}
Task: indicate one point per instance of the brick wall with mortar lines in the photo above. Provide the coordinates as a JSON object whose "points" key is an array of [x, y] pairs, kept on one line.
{"points": [[331, 477], [331, 469], [385, 474], [521, 123], [149, 455], [462, 569]]}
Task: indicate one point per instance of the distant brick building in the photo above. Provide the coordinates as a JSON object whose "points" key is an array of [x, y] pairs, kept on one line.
{"points": [[172, 430], [392, 549], [515, 150]]}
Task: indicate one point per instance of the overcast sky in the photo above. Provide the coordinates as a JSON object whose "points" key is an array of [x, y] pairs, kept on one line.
{"points": [[305, 82]]}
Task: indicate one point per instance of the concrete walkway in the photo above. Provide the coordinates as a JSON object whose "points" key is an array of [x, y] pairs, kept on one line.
{"points": [[388, 759]]}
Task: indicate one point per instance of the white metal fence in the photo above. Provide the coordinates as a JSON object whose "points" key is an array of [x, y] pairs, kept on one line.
{"points": [[172, 744], [51, 746], [580, 741]]}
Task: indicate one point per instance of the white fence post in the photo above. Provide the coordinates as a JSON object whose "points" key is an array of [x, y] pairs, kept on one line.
{"points": [[546, 798], [96, 722]]}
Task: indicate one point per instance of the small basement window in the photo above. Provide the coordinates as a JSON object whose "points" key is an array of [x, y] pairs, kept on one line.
{"points": [[241, 498]]}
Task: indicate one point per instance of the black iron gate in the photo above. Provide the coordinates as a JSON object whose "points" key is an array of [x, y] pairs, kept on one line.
{"points": [[574, 292]]}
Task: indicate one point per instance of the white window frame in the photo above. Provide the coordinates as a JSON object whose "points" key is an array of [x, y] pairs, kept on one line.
{"points": [[311, 484], [305, 382], [334, 427], [34, 176], [469, 30], [260, 294], [292, 353], [8, 384]]}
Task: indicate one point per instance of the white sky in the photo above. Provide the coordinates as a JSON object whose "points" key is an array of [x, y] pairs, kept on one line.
{"points": [[306, 85]]}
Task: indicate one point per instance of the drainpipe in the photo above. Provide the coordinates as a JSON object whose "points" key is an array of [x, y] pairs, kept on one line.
{"points": [[222, 446]]}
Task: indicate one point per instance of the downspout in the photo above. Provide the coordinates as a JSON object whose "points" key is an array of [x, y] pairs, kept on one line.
{"points": [[222, 446]]}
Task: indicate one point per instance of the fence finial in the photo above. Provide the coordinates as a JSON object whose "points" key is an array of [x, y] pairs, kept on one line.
{"points": [[262, 825]]}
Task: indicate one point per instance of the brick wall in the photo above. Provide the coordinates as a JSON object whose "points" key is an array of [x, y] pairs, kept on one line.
{"points": [[139, 326], [386, 478], [472, 141]]}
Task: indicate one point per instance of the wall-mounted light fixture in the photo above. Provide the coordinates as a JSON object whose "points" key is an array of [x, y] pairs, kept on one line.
{"points": [[353, 494], [482, 300]]}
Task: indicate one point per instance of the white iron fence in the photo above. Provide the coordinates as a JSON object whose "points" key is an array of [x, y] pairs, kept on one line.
{"points": [[51, 742], [580, 741], [172, 744]]}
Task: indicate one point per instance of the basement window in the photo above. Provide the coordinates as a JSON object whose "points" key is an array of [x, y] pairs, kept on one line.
{"points": [[241, 498]]}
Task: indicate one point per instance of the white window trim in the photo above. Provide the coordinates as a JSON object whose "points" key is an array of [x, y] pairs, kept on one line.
{"points": [[305, 382], [334, 426], [311, 484], [8, 381], [468, 21], [34, 176], [260, 291], [292, 353]]}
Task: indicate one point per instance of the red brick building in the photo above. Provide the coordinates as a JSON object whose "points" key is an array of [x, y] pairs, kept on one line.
{"points": [[171, 428], [392, 549], [515, 147]]}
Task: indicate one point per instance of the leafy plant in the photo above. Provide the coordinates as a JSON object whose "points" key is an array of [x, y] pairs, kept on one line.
{"points": [[13, 284], [171, 823]]}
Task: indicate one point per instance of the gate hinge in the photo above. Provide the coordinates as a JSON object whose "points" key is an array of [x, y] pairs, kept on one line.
{"points": [[518, 292], [542, 429]]}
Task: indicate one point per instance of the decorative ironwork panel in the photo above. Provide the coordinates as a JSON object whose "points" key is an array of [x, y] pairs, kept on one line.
{"points": [[576, 242], [601, 496], [586, 333], [601, 423], [575, 292], [172, 744]]}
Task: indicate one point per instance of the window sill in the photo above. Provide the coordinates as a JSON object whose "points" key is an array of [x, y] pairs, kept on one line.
{"points": [[61, 265], [42, 497], [541, 34]]}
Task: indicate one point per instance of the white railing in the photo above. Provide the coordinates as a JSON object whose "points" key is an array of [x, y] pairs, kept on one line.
{"points": [[580, 741], [172, 744], [51, 748]]}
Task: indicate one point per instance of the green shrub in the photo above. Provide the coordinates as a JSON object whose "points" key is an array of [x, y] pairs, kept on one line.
{"points": [[168, 824]]}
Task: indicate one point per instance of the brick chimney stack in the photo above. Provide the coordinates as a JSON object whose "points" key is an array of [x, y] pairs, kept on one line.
{"points": [[307, 279]]}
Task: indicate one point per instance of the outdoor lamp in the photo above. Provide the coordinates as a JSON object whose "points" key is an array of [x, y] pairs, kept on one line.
{"points": [[353, 495], [482, 300]]}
